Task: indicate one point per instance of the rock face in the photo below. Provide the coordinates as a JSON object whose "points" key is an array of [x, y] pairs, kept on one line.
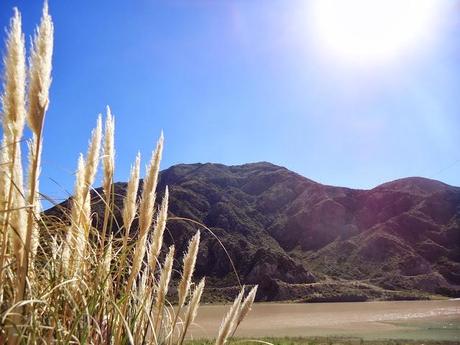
{"points": [[294, 236]]}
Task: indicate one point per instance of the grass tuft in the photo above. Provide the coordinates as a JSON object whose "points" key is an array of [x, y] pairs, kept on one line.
{"points": [[64, 281]]}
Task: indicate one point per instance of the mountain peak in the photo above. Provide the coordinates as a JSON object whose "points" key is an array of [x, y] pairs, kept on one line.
{"points": [[415, 185]]}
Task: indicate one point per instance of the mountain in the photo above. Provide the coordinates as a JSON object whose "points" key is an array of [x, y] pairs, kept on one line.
{"points": [[302, 240]]}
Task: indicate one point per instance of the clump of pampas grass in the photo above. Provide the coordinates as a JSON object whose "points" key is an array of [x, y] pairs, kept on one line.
{"points": [[63, 281]]}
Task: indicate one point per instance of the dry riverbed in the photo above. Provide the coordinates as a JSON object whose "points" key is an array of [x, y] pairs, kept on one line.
{"points": [[430, 320]]}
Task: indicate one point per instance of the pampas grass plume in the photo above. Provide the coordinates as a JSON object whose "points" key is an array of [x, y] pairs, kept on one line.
{"points": [[129, 202], [163, 283], [92, 155], [40, 72], [188, 268], [228, 323], [146, 206], [157, 237], [246, 306], [108, 160], [13, 103], [13, 100], [192, 309]]}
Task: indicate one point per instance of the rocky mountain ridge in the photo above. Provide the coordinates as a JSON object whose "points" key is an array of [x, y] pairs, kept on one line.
{"points": [[299, 239]]}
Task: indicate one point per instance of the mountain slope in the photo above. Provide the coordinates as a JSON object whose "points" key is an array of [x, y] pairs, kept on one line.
{"points": [[298, 238]]}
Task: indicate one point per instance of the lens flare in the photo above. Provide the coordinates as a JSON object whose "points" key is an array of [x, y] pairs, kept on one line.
{"points": [[372, 30]]}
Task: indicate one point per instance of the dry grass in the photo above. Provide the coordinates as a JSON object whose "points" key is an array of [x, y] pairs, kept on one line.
{"points": [[63, 281]]}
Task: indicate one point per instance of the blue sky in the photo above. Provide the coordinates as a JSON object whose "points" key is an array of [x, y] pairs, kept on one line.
{"points": [[242, 81]]}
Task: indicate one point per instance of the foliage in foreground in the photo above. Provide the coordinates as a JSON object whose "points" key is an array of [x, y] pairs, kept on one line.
{"points": [[63, 281]]}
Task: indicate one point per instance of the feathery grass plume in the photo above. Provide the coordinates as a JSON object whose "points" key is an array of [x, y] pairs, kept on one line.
{"points": [[129, 212], [83, 233], [146, 208], [108, 160], [14, 115], [13, 104], [163, 284], [79, 191], [39, 84], [130, 200], [80, 222], [71, 234], [108, 163], [188, 268], [192, 309], [75, 231], [246, 306], [12, 203], [81, 204], [228, 323], [92, 156], [157, 237], [147, 203], [143, 293], [40, 72], [13, 98]]}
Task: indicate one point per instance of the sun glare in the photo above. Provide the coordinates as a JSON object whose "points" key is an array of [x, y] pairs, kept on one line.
{"points": [[372, 30]]}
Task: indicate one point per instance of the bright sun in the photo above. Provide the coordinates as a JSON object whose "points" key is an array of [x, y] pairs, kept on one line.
{"points": [[372, 30]]}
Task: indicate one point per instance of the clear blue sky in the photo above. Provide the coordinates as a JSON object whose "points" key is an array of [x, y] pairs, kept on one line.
{"points": [[242, 81]]}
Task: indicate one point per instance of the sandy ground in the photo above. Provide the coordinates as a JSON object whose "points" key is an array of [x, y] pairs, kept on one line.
{"points": [[431, 320]]}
